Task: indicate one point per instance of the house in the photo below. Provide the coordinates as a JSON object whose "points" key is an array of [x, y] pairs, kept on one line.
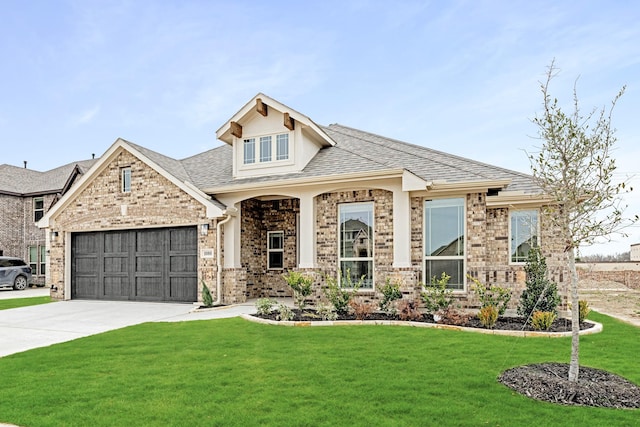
{"points": [[284, 193], [25, 196]]}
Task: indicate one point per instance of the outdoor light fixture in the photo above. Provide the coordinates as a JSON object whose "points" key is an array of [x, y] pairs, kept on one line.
{"points": [[204, 229]]}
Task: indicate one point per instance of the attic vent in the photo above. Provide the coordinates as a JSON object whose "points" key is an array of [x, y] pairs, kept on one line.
{"points": [[493, 191]]}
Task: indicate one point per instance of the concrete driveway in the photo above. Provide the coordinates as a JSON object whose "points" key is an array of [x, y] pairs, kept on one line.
{"points": [[36, 326]]}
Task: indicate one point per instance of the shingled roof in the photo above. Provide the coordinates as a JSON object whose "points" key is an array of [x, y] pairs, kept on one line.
{"points": [[22, 181], [359, 151]]}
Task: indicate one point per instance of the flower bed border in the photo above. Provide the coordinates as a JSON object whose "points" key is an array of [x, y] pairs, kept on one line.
{"points": [[595, 329]]}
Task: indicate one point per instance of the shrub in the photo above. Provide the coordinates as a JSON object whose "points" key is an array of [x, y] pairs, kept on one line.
{"points": [[408, 310], [339, 296], [390, 293], [583, 310], [488, 316], [301, 286], [437, 296], [542, 320], [326, 312], [264, 306], [207, 300], [491, 296], [541, 294], [362, 310], [284, 313], [451, 316]]}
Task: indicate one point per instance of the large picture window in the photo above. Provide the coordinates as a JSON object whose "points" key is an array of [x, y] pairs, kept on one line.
{"points": [[444, 240], [524, 234], [355, 241]]}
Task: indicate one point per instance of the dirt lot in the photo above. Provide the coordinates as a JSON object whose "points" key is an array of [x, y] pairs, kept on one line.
{"points": [[613, 299]]}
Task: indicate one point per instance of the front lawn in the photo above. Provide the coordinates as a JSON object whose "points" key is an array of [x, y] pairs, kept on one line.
{"points": [[234, 372], [6, 304]]}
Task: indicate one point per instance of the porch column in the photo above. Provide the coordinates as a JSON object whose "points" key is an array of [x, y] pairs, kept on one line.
{"points": [[307, 230], [401, 228], [231, 232]]}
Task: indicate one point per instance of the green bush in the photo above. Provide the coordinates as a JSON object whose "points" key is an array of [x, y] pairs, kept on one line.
{"points": [[390, 293], [541, 294], [437, 296], [339, 296], [264, 306], [207, 299], [542, 320], [284, 313], [301, 286], [583, 310], [326, 312], [488, 316], [489, 295]]}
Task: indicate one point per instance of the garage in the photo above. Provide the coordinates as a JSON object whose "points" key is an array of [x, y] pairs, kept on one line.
{"points": [[157, 264]]}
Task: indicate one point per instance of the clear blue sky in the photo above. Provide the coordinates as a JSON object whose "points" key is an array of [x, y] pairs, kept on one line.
{"points": [[457, 76]]}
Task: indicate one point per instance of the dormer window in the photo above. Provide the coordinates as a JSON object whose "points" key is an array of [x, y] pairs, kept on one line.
{"points": [[266, 147]]}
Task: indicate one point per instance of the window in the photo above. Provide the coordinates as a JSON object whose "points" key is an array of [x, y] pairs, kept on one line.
{"points": [[524, 234], [38, 208], [444, 240], [126, 180], [355, 241], [43, 260], [249, 151], [282, 146], [33, 259], [275, 250], [265, 149]]}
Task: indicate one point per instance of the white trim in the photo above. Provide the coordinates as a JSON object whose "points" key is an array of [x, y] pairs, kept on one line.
{"points": [[258, 163], [427, 280], [538, 216], [370, 258], [269, 250]]}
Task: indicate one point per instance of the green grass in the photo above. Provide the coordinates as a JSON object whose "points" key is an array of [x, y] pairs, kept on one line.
{"points": [[233, 372], [6, 304]]}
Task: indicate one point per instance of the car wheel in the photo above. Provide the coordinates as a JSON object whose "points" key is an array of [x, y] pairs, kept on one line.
{"points": [[20, 284]]}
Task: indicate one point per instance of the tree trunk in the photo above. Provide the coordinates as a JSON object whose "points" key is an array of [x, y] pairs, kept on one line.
{"points": [[574, 366]]}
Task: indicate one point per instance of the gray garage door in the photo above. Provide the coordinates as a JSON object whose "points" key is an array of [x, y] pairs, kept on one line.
{"points": [[136, 265]]}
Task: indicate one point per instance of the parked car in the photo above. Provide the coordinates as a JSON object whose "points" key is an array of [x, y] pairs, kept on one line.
{"points": [[14, 273]]}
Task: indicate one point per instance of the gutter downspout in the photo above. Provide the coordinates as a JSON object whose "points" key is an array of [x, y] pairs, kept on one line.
{"points": [[229, 213]]}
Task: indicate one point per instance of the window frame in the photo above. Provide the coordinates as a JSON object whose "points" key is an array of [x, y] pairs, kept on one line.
{"points": [[258, 157], [125, 179], [369, 287], [455, 287], [42, 265], [271, 250], [38, 213], [510, 254], [33, 263]]}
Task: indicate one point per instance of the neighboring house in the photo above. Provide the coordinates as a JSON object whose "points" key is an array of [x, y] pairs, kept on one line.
{"points": [[635, 252], [25, 196], [284, 193]]}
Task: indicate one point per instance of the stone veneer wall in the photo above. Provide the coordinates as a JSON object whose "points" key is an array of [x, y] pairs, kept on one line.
{"points": [[258, 218], [153, 201]]}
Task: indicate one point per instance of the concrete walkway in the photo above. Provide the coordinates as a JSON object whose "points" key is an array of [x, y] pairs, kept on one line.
{"points": [[36, 326]]}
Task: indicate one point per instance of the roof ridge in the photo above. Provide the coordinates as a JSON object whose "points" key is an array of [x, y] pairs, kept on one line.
{"points": [[421, 147]]}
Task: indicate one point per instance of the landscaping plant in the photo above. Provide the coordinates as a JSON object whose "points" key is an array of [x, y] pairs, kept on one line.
{"points": [[301, 285], [541, 294], [207, 299], [408, 310], [436, 296], [339, 296], [542, 320], [583, 310], [390, 293], [326, 311], [362, 310], [284, 313], [491, 295], [488, 316], [264, 306]]}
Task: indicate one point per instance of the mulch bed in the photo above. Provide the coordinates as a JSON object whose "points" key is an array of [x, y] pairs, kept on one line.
{"points": [[549, 382], [503, 323]]}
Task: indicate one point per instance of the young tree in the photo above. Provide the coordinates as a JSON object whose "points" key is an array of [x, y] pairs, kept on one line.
{"points": [[574, 169]]}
